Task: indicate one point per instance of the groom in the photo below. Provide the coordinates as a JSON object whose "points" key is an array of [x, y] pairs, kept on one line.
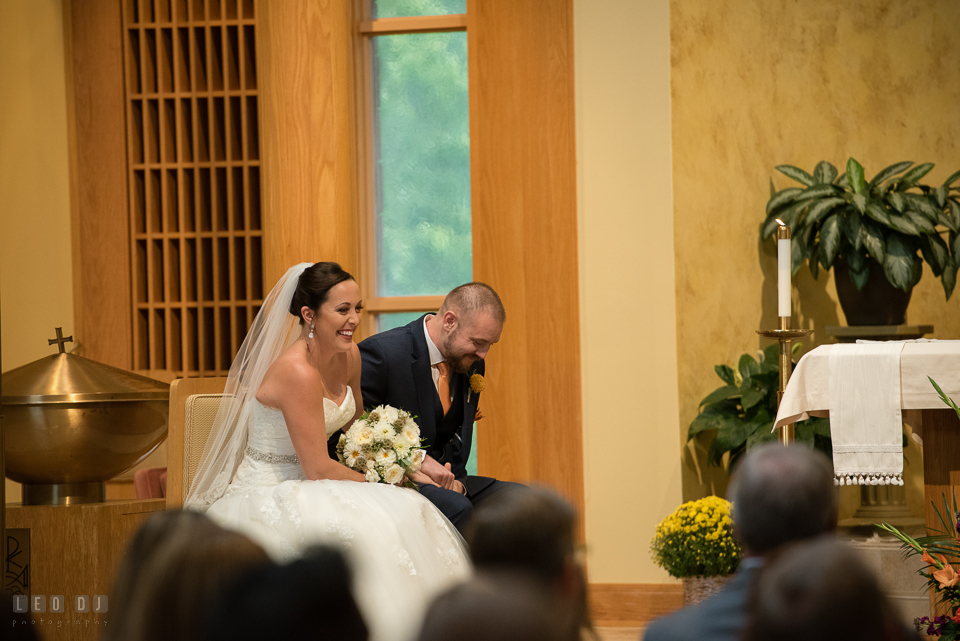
{"points": [[425, 368]]}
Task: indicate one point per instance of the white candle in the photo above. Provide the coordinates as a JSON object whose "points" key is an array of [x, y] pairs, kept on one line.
{"points": [[784, 265]]}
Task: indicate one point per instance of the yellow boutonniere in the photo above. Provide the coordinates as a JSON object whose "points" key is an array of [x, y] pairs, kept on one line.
{"points": [[477, 384]]}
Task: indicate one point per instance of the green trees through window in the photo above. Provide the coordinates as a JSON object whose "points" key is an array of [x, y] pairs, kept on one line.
{"points": [[422, 156], [406, 8]]}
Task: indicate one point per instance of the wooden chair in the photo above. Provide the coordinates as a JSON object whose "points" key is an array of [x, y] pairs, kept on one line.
{"points": [[193, 406]]}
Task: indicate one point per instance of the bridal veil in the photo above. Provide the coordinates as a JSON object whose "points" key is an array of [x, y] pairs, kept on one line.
{"points": [[273, 330]]}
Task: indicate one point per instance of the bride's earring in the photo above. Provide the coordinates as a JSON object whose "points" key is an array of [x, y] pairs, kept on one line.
{"points": [[310, 335]]}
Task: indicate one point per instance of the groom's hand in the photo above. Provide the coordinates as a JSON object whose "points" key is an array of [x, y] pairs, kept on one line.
{"points": [[440, 474], [421, 479]]}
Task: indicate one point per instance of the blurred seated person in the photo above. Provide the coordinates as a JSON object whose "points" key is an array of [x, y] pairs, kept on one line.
{"points": [[821, 590], [176, 564], [779, 495], [532, 532], [309, 598], [501, 605]]}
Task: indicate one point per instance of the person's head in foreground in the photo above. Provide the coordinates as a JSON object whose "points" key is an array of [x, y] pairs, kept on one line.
{"points": [[498, 605], [309, 598], [782, 494], [820, 589], [531, 531], [176, 564]]}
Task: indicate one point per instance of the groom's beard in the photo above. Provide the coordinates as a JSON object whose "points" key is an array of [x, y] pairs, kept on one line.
{"points": [[459, 361]]}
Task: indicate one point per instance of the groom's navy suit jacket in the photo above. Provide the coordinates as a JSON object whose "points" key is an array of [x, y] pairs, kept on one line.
{"points": [[396, 371]]}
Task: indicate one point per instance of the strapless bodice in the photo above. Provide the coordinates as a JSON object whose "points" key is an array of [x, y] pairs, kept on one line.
{"points": [[269, 457], [268, 431]]}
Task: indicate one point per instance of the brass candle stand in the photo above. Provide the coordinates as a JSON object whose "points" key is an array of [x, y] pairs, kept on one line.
{"points": [[785, 336]]}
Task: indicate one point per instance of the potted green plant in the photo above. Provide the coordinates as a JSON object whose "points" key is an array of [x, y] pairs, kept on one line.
{"points": [[866, 229], [743, 410]]}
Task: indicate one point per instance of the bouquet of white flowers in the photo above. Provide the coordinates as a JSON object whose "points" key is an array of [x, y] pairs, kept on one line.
{"points": [[383, 445]]}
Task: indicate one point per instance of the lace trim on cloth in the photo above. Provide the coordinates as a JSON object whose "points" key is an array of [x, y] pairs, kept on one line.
{"points": [[873, 477], [264, 457]]}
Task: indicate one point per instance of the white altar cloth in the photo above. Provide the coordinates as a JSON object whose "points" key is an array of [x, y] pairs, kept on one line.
{"points": [[808, 392]]}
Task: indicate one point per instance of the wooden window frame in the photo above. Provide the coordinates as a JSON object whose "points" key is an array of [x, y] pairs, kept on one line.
{"points": [[367, 29]]}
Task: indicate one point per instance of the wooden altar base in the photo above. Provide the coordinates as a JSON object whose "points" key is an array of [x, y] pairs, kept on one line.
{"points": [[941, 467], [75, 550], [941, 459]]}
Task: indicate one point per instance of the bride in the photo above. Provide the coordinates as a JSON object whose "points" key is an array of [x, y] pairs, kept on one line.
{"points": [[266, 472]]}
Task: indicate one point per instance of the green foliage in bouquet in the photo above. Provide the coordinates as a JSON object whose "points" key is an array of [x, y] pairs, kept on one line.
{"points": [[697, 540], [892, 219], [941, 552], [743, 410]]}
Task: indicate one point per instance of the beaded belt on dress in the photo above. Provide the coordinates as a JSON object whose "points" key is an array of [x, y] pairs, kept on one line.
{"points": [[257, 455]]}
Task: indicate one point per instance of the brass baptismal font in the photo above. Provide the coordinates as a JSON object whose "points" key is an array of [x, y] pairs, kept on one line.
{"points": [[71, 423]]}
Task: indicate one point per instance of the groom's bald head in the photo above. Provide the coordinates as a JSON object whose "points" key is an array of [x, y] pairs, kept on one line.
{"points": [[470, 299]]}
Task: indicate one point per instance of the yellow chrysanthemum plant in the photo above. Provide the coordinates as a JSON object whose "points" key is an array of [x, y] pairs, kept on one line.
{"points": [[697, 540]]}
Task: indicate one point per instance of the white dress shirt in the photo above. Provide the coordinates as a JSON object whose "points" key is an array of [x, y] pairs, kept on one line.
{"points": [[435, 356]]}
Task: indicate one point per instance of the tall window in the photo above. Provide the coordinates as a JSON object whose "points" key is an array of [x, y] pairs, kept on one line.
{"points": [[415, 156]]}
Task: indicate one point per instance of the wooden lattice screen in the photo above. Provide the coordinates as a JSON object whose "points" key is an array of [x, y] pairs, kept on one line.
{"points": [[194, 181]]}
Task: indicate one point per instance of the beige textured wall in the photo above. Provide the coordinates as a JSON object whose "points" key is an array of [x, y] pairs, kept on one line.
{"points": [[756, 83], [35, 265], [628, 321]]}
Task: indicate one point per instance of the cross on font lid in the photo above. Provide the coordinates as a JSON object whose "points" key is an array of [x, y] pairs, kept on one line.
{"points": [[60, 340]]}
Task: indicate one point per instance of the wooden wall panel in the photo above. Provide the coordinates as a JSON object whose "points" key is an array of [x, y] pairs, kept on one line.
{"points": [[194, 182], [306, 64], [523, 167], [632, 604], [98, 185]]}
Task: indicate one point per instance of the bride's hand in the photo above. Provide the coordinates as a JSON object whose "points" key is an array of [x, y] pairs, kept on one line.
{"points": [[421, 479]]}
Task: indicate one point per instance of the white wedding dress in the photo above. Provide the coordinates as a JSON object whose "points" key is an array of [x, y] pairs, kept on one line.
{"points": [[403, 551]]}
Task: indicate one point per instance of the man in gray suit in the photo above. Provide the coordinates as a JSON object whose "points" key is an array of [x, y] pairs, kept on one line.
{"points": [[780, 495]]}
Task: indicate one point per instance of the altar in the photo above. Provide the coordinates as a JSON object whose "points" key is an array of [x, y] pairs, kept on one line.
{"points": [[808, 394], [70, 552]]}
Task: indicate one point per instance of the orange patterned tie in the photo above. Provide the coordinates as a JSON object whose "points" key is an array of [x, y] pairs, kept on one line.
{"points": [[443, 386]]}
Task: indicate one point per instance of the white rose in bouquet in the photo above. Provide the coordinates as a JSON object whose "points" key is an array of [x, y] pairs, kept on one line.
{"points": [[389, 414], [417, 460], [363, 436], [370, 464], [393, 474], [409, 436], [372, 476]]}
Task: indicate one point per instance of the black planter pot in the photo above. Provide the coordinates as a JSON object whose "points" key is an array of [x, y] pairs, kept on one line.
{"points": [[878, 303]]}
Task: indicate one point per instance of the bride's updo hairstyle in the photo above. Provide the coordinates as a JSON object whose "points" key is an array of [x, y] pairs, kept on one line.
{"points": [[315, 283]]}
